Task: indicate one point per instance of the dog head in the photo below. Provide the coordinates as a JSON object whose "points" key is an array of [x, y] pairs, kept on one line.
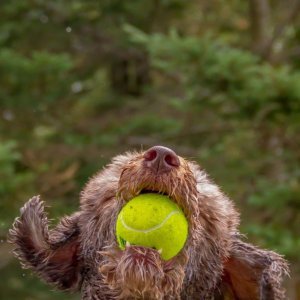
{"points": [[139, 271]]}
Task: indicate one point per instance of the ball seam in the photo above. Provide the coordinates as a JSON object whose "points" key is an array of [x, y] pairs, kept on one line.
{"points": [[152, 228]]}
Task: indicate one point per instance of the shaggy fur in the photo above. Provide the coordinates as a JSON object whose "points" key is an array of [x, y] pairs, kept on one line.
{"points": [[81, 252]]}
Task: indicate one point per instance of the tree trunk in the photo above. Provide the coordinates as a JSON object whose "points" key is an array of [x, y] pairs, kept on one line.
{"points": [[259, 24]]}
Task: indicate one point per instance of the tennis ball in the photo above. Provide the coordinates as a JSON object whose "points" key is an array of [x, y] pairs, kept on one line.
{"points": [[154, 221]]}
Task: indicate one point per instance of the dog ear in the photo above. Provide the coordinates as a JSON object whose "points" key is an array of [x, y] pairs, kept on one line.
{"points": [[53, 255], [253, 274]]}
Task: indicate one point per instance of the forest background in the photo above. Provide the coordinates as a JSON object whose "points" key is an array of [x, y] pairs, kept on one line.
{"points": [[218, 81]]}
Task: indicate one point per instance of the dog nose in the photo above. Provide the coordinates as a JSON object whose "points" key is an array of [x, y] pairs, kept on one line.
{"points": [[161, 159]]}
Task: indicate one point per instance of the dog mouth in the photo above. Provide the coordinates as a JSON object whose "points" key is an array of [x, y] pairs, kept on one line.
{"points": [[150, 191], [178, 185]]}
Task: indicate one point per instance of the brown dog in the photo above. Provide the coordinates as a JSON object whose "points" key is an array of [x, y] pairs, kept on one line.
{"points": [[81, 252]]}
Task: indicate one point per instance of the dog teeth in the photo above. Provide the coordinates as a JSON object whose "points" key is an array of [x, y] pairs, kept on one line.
{"points": [[159, 251], [127, 244]]}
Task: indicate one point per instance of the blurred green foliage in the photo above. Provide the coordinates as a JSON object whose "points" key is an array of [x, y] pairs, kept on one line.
{"points": [[82, 81]]}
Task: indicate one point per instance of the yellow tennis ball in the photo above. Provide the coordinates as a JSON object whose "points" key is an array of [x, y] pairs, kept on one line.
{"points": [[154, 221]]}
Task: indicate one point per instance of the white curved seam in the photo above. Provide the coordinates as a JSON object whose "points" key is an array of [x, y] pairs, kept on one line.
{"points": [[152, 228]]}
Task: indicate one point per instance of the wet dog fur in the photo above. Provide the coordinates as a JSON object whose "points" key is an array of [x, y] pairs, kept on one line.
{"points": [[81, 252]]}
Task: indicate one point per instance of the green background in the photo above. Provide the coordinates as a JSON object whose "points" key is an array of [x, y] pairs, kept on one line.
{"points": [[218, 81]]}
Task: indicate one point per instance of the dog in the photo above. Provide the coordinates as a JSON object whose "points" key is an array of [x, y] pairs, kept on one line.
{"points": [[81, 253]]}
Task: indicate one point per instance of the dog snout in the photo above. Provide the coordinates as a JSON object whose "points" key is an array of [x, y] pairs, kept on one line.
{"points": [[161, 159]]}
